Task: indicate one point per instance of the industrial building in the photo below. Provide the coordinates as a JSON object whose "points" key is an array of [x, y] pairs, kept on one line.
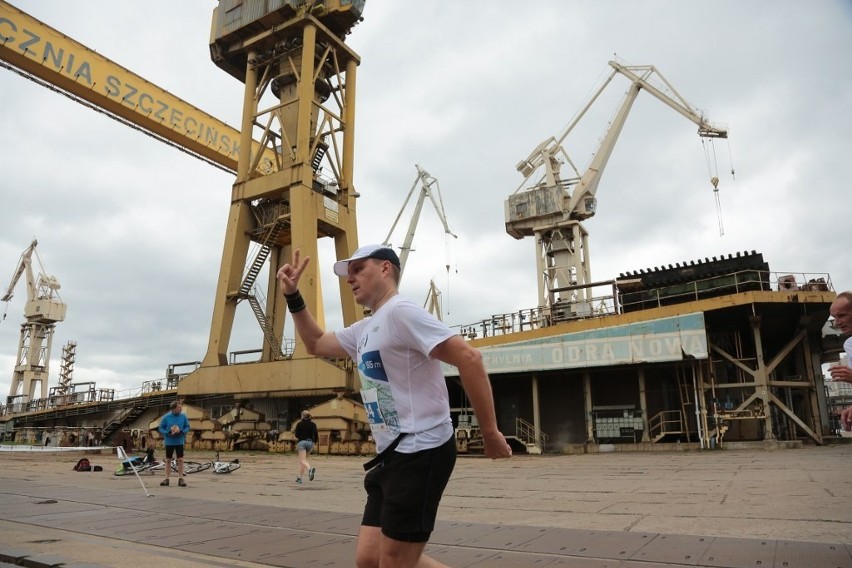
{"points": [[700, 354]]}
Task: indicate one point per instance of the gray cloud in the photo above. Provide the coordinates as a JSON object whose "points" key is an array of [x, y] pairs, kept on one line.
{"points": [[134, 229]]}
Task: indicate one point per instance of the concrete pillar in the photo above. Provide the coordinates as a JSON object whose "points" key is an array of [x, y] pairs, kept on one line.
{"points": [[643, 405], [536, 410], [587, 397]]}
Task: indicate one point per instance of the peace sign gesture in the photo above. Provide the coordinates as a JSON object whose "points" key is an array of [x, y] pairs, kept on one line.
{"points": [[289, 274]]}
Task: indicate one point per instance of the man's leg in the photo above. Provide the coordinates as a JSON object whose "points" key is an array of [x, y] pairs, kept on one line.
{"points": [[169, 452], [181, 480], [368, 548], [375, 550]]}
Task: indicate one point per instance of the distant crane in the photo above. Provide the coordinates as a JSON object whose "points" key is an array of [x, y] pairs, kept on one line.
{"points": [[433, 301], [44, 308], [427, 182], [551, 209]]}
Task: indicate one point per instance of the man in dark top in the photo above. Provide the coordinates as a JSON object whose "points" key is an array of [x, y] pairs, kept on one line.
{"points": [[307, 436]]}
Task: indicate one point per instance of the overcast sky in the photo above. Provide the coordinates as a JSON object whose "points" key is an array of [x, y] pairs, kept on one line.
{"points": [[133, 229]]}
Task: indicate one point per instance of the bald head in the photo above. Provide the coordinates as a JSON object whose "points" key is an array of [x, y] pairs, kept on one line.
{"points": [[841, 311]]}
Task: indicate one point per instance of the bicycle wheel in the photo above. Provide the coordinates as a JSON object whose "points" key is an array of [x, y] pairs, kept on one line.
{"points": [[195, 467], [226, 467], [152, 468]]}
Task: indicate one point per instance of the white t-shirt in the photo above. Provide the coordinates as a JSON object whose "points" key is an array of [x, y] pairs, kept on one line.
{"points": [[402, 387], [847, 346]]}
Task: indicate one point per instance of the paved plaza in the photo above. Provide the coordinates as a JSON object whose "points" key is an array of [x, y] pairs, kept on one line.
{"points": [[726, 508]]}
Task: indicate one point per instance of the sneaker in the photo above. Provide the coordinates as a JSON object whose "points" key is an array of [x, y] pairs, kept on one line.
{"points": [[311, 473], [299, 480], [164, 483], [181, 482]]}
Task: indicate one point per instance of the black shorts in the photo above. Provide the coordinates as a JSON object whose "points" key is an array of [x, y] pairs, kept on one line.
{"points": [[172, 450], [404, 491]]}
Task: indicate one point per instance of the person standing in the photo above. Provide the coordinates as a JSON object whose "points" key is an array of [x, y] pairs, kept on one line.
{"points": [[307, 435], [841, 311], [174, 427], [397, 351]]}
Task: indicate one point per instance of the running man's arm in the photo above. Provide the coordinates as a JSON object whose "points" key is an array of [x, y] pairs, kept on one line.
{"points": [[457, 352], [317, 341]]}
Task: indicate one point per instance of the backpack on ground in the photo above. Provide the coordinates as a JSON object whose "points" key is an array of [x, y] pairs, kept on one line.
{"points": [[84, 465]]}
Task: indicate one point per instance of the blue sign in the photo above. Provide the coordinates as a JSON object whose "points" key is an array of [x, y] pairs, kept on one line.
{"points": [[666, 339]]}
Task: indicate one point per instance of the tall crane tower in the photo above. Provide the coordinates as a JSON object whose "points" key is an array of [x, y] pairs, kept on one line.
{"points": [[44, 308], [299, 96], [552, 207], [294, 180]]}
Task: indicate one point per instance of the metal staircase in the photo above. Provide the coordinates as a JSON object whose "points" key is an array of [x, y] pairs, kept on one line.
{"points": [[665, 423], [319, 154], [265, 325], [525, 432], [248, 291], [125, 417]]}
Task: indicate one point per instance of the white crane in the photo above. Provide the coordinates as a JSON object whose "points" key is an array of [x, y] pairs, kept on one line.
{"points": [[427, 182], [43, 309], [433, 301], [552, 208]]}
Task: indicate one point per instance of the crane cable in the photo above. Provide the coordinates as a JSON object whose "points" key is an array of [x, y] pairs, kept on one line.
{"points": [[445, 302], [712, 170]]}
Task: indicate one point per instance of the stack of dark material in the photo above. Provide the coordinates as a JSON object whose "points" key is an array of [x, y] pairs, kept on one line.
{"points": [[693, 280]]}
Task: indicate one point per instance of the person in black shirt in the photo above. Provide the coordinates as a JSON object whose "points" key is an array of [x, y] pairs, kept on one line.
{"points": [[307, 436]]}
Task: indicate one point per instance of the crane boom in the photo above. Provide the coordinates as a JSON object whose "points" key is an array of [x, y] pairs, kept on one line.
{"points": [[426, 183], [50, 58], [24, 265], [41, 312], [552, 207], [675, 100], [640, 76]]}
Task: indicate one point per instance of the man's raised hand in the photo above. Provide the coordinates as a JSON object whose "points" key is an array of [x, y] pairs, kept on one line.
{"points": [[289, 274]]}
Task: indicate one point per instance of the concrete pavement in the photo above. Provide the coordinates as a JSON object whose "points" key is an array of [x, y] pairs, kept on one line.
{"points": [[725, 508]]}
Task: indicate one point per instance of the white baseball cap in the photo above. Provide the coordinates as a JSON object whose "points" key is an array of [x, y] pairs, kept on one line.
{"points": [[379, 252]]}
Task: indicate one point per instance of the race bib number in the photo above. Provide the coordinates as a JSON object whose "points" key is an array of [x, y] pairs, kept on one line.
{"points": [[374, 412]]}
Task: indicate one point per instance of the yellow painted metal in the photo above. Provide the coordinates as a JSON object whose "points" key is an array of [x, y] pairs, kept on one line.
{"points": [[295, 127], [277, 169], [291, 378], [45, 53]]}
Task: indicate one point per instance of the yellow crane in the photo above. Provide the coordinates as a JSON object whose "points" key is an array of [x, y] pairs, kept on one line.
{"points": [[293, 186], [43, 309], [48, 57]]}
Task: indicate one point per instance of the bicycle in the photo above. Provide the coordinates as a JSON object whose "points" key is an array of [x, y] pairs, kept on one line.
{"points": [[141, 464], [222, 467], [191, 466]]}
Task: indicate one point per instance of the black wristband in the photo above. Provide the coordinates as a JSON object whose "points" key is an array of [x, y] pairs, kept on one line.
{"points": [[295, 302]]}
